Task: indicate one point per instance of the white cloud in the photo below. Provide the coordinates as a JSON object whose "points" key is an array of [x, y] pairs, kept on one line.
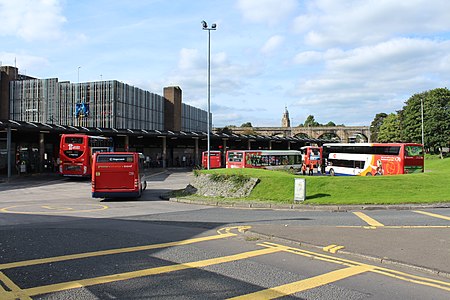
{"points": [[357, 83], [400, 57], [31, 19], [341, 22], [308, 57], [26, 63], [189, 59], [266, 11], [272, 44]]}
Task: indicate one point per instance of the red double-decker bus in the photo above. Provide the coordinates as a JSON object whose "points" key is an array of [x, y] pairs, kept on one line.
{"points": [[76, 151], [311, 155], [366, 159]]}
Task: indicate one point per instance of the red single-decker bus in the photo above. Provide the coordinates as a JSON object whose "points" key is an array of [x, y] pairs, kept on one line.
{"points": [[118, 175], [265, 159], [215, 160]]}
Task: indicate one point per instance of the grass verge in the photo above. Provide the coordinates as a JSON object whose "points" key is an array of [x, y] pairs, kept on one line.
{"points": [[432, 186]]}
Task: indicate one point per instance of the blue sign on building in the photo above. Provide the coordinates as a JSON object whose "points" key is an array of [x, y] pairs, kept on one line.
{"points": [[81, 110]]}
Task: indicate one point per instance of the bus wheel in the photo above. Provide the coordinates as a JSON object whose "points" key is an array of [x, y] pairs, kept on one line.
{"points": [[368, 174], [332, 172]]}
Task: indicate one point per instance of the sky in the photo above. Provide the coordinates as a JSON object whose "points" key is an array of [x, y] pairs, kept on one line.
{"points": [[339, 60]]}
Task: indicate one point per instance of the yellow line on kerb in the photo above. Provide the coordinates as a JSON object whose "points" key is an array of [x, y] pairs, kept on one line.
{"points": [[113, 251], [398, 226], [432, 215], [306, 284], [147, 272], [368, 220], [371, 268], [332, 248]]}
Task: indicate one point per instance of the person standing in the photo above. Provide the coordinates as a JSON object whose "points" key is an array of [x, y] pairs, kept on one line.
{"points": [[311, 169], [304, 169]]}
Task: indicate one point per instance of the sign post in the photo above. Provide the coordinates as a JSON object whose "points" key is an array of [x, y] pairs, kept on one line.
{"points": [[299, 189]]}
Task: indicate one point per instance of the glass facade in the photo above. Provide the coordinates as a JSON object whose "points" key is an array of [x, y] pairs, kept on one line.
{"points": [[103, 104], [193, 119], [34, 100]]}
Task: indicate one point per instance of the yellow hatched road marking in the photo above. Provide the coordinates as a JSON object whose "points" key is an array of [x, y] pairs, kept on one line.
{"points": [[14, 293], [368, 220], [432, 215], [147, 272], [306, 284], [113, 251]]}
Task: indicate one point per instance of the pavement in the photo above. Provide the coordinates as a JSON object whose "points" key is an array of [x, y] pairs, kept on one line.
{"points": [[426, 249], [386, 246]]}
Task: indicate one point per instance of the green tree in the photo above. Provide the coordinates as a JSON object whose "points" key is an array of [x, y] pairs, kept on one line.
{"points": [[436, 116], [330, 124], [375, 126], [247, 124], [390, 130], [226, 130], [410, 118], [311, 122], [437, 119]]}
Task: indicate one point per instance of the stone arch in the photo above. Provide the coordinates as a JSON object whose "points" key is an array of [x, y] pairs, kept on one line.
{"points": [[332, 136]]}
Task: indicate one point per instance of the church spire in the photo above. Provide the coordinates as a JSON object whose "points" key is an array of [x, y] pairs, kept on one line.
{"points": [[285, 121]]}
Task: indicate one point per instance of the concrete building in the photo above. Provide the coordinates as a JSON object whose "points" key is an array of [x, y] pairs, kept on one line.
{"points": [[137, 119], [103, 104]]}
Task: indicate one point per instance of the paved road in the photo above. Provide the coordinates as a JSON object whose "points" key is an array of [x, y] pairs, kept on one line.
{"points": [[57, 242]]}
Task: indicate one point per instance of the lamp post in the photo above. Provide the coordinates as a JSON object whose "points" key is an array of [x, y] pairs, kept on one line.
{"points": [[79, 74], [421, 109], [205, 27]]}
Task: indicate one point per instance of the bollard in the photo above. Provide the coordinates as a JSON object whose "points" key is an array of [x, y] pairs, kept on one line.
{"points": [[299, 189]]}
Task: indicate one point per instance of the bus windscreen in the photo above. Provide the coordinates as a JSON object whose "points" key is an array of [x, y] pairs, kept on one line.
{"points": [[73, 140], [115, 158]]}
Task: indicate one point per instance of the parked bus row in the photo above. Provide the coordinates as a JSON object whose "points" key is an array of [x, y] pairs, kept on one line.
{"points": [[268, 159], [362, 159]]}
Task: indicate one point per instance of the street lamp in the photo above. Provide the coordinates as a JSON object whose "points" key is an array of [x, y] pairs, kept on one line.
{"points": [[205, 27], [79, 74], [421, 109]]}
